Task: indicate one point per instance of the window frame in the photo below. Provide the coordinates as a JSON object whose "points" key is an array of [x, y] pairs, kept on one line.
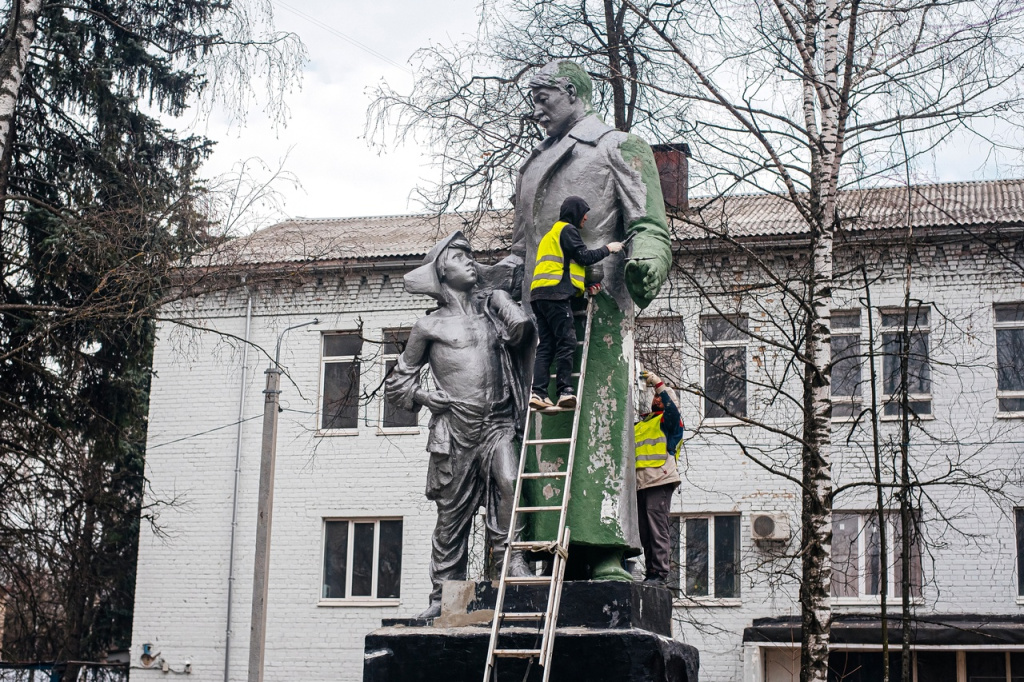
{"points": [[324, 361], [857, 399], [884, 398], [705, 343], [1001, 394], [683, 599], [385, 358], [1018, 527], [360, 600], [655, 345], [862, 598]]}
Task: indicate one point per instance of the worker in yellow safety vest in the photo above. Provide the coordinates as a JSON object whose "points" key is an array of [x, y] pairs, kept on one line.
{"points": [[659, 435], [558, 276]]}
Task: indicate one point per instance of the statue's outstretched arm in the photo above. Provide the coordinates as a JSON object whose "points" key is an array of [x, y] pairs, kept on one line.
{"points": [[639, 189]]}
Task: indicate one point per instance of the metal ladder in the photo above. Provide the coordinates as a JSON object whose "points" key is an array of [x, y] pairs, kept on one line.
{"points": [[559, 548]]}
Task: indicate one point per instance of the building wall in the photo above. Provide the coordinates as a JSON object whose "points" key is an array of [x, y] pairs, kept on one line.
{"points": [[181, 596]]}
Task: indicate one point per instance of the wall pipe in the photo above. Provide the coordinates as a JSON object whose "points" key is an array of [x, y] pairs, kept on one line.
{"points": [[238, 472]]}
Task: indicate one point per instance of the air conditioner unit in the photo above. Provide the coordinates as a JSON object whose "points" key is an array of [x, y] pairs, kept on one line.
{"points": [[768, 526]]}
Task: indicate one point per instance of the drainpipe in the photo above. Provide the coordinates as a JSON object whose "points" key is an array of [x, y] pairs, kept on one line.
{"points": [[238, 472]]}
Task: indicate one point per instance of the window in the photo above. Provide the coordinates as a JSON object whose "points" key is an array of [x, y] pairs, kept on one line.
{"points": [[710, 556], [392, 416], [856, 556], [1010, 358], [846, 365], [658, 344], [725, 366], [896, 344], [362, 559], [339, 408], [1019, 513]]}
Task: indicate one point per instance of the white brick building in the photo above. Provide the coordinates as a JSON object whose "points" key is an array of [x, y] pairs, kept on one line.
{"points": [[339, 474]]}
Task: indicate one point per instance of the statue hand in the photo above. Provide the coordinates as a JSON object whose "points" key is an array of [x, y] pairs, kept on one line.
{"points": [[642, 281], [437, 401]]}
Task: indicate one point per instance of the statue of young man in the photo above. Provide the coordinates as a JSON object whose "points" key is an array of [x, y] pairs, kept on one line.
{"points": [[615, 173], [474, 346]]}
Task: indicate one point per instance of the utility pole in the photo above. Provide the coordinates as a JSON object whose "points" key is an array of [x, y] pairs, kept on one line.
{"points": [[261, 566]]}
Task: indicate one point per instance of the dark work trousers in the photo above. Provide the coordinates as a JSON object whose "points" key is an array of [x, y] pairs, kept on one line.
{"points": [[653, 505], [558, 341]]}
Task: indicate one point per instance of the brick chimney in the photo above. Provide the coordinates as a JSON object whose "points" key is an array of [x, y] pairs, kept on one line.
{"points": [[673, 167]]}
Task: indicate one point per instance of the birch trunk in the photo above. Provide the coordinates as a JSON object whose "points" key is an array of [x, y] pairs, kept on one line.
{"points": [[21, 31], [816, 513], [820, 107]]}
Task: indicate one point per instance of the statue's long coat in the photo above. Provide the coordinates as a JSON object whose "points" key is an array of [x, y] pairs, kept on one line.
{"points": [[615, 173]]}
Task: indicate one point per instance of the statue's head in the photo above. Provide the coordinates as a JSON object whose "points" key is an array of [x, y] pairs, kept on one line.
{"points": [[456, 267], [449, 265], [562, 93]]}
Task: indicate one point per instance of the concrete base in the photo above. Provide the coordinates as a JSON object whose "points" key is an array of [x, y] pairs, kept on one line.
{"points": [[600, 605], [607, 631], [411, 654]]}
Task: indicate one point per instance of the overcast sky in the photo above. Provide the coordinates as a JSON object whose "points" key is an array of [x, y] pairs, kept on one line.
{"points": [[340, 175]]}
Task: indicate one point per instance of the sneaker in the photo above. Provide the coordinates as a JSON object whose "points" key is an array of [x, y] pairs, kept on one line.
{"points": [[540, 402], [567, 401]]}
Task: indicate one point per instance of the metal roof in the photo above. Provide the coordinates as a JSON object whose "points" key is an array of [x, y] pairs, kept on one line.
{"points": [[305, 240], [931, 205]]}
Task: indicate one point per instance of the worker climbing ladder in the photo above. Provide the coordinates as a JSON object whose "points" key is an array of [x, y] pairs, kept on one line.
{"points": [[558, 547]]}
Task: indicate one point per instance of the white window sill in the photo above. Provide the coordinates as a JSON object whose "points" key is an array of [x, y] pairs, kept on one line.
{"points": [[404, 431], [871, 601], [1020, 601], [360, 601], [719, 422], [915, 417], [1009, 415], [337, 432], [706, 602]]}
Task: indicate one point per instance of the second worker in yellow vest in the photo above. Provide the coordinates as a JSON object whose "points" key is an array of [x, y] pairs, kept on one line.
{"points": [[558, 276], [658, 437]]}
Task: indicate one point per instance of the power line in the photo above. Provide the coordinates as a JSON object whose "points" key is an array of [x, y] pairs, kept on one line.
{"points": [[343, 36], [203, 433]]}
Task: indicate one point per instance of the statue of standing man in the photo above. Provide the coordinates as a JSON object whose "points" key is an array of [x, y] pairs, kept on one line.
{"points": [[474, 345], [615, 173]]}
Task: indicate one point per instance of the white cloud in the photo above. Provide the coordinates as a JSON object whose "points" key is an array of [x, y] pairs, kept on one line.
{"points": [[340, 174]]}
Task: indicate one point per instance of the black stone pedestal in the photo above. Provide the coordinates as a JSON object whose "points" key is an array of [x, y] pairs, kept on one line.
{"points": [[607, 631]]}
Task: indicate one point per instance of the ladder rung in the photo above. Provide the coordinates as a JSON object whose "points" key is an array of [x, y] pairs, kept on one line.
{"points": [[524, 616], [535, 546], [555, 410], [517, 653], [539, 509], [554, 376], [528, 580], [548, 441], [545, 474]]}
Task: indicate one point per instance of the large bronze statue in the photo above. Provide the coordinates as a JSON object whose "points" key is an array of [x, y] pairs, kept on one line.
{"points": [[615, 173], [475, 345]]}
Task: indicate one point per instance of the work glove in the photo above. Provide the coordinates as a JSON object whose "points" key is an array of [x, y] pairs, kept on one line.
{"points": [[614, 247], [593, 289], [652, 379]]}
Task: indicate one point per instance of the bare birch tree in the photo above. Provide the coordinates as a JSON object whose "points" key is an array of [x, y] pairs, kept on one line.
{"points": [[797, 100]]}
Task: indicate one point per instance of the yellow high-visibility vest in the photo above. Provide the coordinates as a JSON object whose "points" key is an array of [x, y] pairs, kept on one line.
{"points": [[651, 444], [551, 262]]}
